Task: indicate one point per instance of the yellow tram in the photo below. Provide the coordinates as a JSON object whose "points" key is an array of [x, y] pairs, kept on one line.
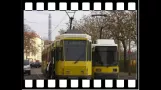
{"points": [[70, 56], [105, 62]]}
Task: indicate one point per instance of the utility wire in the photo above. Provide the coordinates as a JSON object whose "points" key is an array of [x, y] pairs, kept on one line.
{"points": [[40, 23], [67, 14], [30, 21]]}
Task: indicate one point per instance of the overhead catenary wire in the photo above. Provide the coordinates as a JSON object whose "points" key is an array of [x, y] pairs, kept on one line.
{"points": [[30, 21]]}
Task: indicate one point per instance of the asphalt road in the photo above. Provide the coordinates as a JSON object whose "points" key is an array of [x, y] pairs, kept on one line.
{"points": [[125, 76], [36, 74]]}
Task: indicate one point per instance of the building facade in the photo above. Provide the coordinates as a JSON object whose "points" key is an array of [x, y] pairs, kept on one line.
{"points": [[39, 44]]}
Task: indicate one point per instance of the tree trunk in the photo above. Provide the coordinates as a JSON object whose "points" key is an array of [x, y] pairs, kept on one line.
{"points": [[129, 64], [118, 42], [125, 54], [101, 32]]}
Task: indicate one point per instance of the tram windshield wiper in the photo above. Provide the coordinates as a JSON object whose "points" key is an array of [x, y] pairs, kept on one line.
{"points": [[78, 58]]}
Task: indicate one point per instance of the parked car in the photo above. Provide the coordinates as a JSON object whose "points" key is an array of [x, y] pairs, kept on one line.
{"points": [[35, 65], [27, 68], [32, 64]]}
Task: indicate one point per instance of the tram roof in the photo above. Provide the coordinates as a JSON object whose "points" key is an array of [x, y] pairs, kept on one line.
{"points": [[105, 42], [68, 35], [74, 31], [104, 45]]}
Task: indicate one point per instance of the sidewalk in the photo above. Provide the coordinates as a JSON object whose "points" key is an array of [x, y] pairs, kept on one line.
{"points": [[126, 74]]}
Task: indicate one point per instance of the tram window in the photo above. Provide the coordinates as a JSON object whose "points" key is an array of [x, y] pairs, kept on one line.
{"points": [[54, 54], [46, 56], [75, 50], [60, 53], [43, 57], [49, 55], [105, 55], [77, 42], [93, 58], [57, 54], [89, 51], [111, 48], [61, 43]]}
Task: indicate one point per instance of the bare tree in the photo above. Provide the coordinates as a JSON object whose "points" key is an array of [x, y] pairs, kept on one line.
{"points": [[119, 25], [45, 38], [93, 26], [29, 42], [123, 28], [62, 31]]}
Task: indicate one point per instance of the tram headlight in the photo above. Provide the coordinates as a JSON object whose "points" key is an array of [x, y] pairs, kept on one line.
{"points": [[82, 72], [114, 70], [67, 72]]}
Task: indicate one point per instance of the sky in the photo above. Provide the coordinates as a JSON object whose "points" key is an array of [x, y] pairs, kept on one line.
{"points": [[38, 21]]}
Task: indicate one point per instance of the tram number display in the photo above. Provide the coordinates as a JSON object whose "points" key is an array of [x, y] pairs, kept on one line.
{"points": [[75, 42], [105, 48]]}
